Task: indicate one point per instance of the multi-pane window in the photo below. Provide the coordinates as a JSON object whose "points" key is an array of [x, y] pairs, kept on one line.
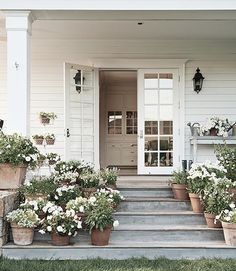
{"points": [[115, 122], [131, 122]]}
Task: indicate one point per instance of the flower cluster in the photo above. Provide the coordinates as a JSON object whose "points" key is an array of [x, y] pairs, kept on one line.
{"points": [[221, 125], [78, 204], [66, 193], [90, 179], [26, 218], [228, 215], [112, 196], [73, 166], [68, 177], [109, 176]]}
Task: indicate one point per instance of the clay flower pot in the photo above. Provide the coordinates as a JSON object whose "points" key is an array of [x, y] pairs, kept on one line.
{"points": [[100, 238], [88, 192], [44, 120], [31, 197], [39, 141], [229, 233], [210, 220], [52, 162], [60, 240], [22, 236], [196, 203], [180, 191], [213, 132], [50, 141], [233, 191], [112, 186], [12, 177]]}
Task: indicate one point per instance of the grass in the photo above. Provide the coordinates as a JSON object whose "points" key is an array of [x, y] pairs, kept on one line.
{"points": [[161, 264]]}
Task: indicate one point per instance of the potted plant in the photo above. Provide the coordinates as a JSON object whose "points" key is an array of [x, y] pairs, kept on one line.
{"points": [[50, 139], [89, 183], [215, 200], [113, 196], [36, 205], [216, 127], [52, 158], [38, 139], [179, 185], [228, 220], [40, 160], [73, 166], [38, 187], [17, 153], [109, 177], [66, 178], [61, 225], [23, 222], [200, 175], [64, 194], [100, 221], [47, 117]]}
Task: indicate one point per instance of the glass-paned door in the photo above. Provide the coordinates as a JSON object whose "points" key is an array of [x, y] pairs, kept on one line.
{"points": [[157, 121]]}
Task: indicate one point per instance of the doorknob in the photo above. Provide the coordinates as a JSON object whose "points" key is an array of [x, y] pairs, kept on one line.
{"points": [[141, 134]]}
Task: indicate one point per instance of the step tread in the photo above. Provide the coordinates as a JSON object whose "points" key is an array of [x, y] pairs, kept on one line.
{"points": [[161, 213], [149, 227], [84, 244], [149, 188], [154, 199]]}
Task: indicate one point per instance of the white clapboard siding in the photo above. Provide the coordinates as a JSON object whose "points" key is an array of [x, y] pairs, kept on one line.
{"points": [[3, 82]]}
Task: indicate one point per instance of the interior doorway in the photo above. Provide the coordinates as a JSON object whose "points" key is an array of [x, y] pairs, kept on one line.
{"points": [[118, 120]]}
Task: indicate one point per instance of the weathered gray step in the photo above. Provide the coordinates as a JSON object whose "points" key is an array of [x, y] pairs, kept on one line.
{"points": [[162, 191], [160, 218], [153, 204], [149, 234], [83, 250]]}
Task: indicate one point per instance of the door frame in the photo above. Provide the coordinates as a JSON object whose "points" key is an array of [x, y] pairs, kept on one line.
{"points": [[136, 64]]}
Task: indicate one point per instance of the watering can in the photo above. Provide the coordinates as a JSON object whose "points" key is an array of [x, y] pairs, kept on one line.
{"points": [[194, 128]]}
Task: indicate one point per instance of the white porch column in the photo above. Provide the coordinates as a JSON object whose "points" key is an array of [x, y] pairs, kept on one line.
{"points": [[18, 27]]}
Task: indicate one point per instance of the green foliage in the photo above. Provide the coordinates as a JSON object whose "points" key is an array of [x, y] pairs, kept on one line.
{"points": [[38, 185], [180, 177], [227, 158], [50, 115], [17, 150], [90, 180], [109, 176], [38, 136], [99, 215], [72, 166], [66, 193], [23, 218]]}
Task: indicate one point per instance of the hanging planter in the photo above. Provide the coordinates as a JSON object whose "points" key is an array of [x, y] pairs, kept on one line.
{"points": [[50, 139], [38, 139], [46, 118]]}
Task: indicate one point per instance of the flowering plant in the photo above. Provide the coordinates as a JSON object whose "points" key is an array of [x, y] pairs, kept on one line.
{"points": [[180, 177], [50, 115], [78, 204], [52, 157], [72, 166], [222, 126], [66, 193], [112, 196], [69, 177], [17, 150], [90, 180], [38, 136], [100, 215], [109, 176], [36, 205], [50, 136], [63, 223], [26, 218], [202, 174], [38, 185], [227, 158], [228, 215]]}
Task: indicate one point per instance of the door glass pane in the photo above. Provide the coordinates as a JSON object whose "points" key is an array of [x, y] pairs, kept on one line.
{"points": [[166, 96], [151, 80], [151, 144], [151, 127], [151, 159], [166, 143], [151, 112], [166, 80], [166, 127], [131, 122], [151, 96], [166, 112], [166, 159]]}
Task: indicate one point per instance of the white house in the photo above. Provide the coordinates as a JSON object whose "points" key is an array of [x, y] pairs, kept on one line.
{"points": [[136, 60]]}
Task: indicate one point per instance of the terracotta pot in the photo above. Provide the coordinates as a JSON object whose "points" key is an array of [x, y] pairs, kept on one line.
{"points": [[100, 238], [44, 120], [60, 240], [39, 141], [50, 141], [31, 197], [229, 233], [180, 191], [112, 186], [196, 203], [12, 177], [213, 132], [233, 191], [22, 236], [210, 220], [88, 192], [52, 162]]}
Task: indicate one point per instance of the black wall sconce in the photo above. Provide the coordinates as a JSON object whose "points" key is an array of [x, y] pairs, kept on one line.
{"points": [[77, 79], [198, 81], [1, 124]]}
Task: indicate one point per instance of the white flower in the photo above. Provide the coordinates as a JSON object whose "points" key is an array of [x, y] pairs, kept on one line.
{"points": [[56, 197], [232, 205], [59, 229], [49, 228], [79, 225], [27, 158], [115, 223], [227, 218], [42, 231], [81, 209], [92, 199]]}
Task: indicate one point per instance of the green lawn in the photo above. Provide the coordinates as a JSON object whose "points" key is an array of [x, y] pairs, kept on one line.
{"points": [[115, 265]]}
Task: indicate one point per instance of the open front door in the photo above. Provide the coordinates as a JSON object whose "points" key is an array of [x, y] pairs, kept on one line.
{"points": [[158, 121], [79, 112]]}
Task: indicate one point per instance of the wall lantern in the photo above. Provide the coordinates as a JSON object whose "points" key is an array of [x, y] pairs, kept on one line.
{"points": [[77, 79], [198, 81], [1, 124]]}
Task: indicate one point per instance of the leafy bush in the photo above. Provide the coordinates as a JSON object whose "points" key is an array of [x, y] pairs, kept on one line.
{"points": [[109, 176], [17, 150]]}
